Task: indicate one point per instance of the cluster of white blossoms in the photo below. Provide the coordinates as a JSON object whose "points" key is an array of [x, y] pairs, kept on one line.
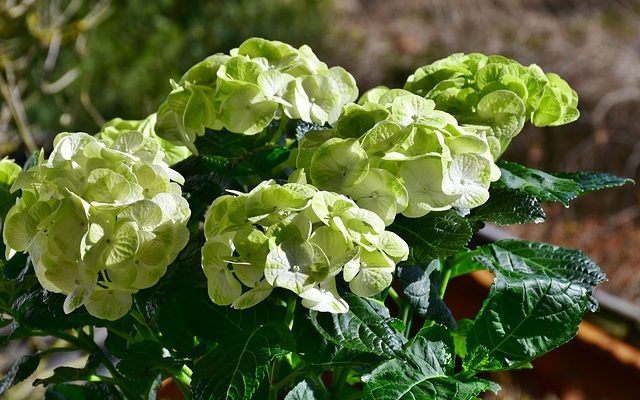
{"points": [[296, 237], [395, 153], [104, 216], [245, 90], [101, 219], [496, 94]]}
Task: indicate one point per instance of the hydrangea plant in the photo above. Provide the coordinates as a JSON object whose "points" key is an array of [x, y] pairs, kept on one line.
{"points": [[267, 234]]}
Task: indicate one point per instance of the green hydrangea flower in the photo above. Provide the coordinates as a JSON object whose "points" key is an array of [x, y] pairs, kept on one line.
{"points": [[110, 132], [295, 237], [101, 218], [495, 92], [396, 153], [256, 83]]}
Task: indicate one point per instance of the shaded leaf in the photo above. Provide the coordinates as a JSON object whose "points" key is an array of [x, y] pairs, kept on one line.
{"points": [[421, 286], [235, 368], [87, 391], [305, 390], [21, 369], [424, 371], [43, 310], [366, 327], [435, 235]]}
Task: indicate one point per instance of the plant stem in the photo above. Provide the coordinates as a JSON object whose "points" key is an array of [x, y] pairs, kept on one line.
{"points": [[338, 383], [291, 309], [287, 379], [394, 296], [446, 275], [354, 396], [92, 348], [275, 371]]}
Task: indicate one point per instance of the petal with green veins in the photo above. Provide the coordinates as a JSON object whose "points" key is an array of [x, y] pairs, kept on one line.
{"points": [[222, 285], [382, 193], [393, 246], [409, 109], [247, 111], [468, 176], [423, 180], [109, 304], [381, 138], [375, 274], [253, 296], [504, 112], [324, 298], [295, 265], [338, 164]]}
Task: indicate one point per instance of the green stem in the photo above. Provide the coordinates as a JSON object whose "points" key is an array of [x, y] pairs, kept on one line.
{"points": [[51, 350], [354, 396], [338, 384], [320, 385], [182, 378], [394, 296], [291, 310], [275, 371], [287, 379], [446, 275], [91, 347]]}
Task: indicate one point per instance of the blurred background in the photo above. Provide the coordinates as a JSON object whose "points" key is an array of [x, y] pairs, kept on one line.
{"points": [[71, 65]]}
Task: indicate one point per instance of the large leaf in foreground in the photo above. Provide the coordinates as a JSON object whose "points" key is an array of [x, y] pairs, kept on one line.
{"points": [[435, 235], [236, 367], [365, 327], [538, 298], [524, 317], [424, 371], [541, 259]]}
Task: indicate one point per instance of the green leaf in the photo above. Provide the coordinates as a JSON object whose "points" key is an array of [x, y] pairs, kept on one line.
{"points": [[86, 391], [542, 259], [264, 161], [592, 181], [424, 371], [21, 369], [140, 359], [366, 327], [17, 267], [506, 207], [66, 374], [541, 185], [524, 317], [422, 288], [435, 235], [305, 390], [538, 299], [41, 309], [235, 368]]}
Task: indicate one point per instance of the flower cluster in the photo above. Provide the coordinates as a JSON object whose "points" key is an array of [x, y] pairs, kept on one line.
{"points": [[295, 237], [112, 130], [256, 83], [101, 219], [496, 92], [395, 153]]}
